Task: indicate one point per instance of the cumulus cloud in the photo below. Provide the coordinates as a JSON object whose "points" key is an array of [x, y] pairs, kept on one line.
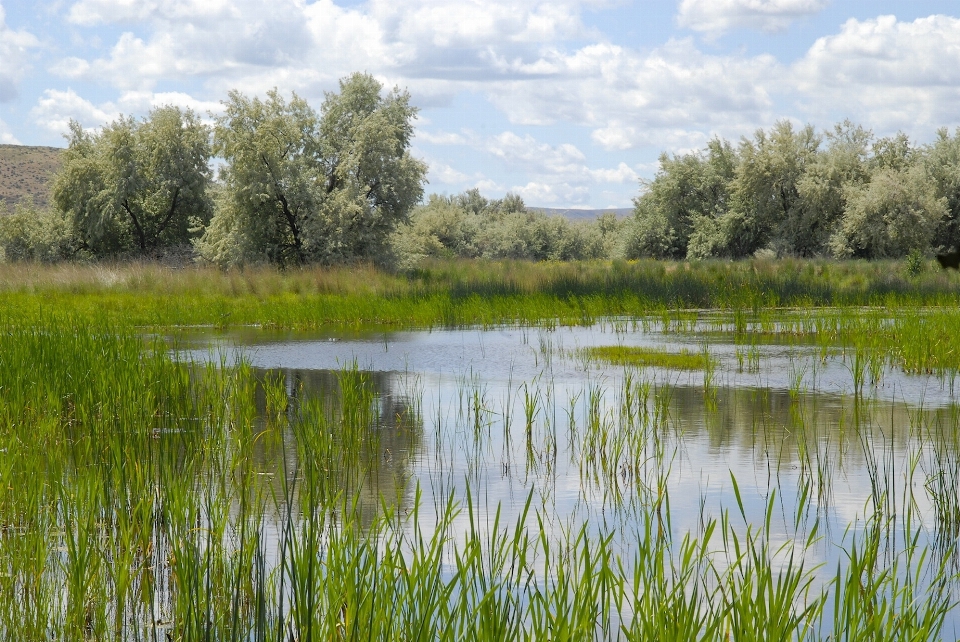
{"points": [[257, 44], [94, 12], [144, 101], [446, 175], [632, 99], [441, 138], [15, 47], [717, 16], [509, 51], [559, 173], [230, 44], [56, 109], [887, 73]]}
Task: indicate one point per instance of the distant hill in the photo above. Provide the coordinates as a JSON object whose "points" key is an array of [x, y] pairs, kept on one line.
{"points": [[582, 215], [27, 171]]}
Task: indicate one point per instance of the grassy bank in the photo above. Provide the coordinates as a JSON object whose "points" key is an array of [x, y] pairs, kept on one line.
{"points": [[458, 292]]}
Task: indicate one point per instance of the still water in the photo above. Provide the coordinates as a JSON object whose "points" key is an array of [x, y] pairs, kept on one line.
{"points": [[513, 413]]}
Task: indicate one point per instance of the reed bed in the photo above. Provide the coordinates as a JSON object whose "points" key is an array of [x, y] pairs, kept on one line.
{"points": [[143, 497]]}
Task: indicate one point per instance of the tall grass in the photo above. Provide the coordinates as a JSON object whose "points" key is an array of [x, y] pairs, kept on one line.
{"points": [[458, 292], [147, 498]]}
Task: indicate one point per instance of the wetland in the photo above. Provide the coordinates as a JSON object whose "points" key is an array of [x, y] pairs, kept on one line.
{"points": [[686, 473]]}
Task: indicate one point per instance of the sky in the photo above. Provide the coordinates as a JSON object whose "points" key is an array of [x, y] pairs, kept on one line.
{"points": [[568, 103]]}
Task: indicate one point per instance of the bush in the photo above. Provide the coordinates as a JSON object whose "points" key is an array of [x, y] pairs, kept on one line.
{"points": [[34, 234], [470, 226]]}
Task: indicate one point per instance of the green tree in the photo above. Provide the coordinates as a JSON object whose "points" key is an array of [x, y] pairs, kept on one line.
{"points": [[30, 233], [137, 186], [300, 187], [370, 180], [896, 213], [441, 228], [942, 161], [767, 209], [824, 185], [688, 194], [269, 181]]}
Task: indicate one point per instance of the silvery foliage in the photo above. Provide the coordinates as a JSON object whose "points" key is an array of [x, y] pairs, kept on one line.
{"points": [[468, 225], [136, 187], [300, 187], [794, 192]]}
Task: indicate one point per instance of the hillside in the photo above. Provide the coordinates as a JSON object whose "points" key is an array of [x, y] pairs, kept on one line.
{"points": [[27, 171]]}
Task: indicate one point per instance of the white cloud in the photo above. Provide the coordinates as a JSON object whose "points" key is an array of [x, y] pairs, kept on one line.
{"points": [[509, 51], [6, 136], [540, 193], [143, 101], [56, 108], [254, 45], [14, 51], [527, 152], [447, 175], [717, 16], [674, 93], [93, 12], [619, 175], [886, 73], [441, 138], [559, 173]]}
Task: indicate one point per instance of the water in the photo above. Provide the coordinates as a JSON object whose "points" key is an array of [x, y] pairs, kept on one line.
{"points": [[511, 413]]}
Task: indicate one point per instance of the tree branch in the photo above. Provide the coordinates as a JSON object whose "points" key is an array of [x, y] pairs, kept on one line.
{"points": [[136, 224], [173, 207]]}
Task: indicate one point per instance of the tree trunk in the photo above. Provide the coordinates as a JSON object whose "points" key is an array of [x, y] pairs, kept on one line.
{"points": [[140, 235]]}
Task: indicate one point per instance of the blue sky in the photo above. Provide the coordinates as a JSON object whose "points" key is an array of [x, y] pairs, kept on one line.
{"points": [[568, 102]]}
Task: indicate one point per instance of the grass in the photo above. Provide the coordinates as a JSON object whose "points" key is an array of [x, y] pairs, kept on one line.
{"points": [[143, 497], [652, 357], [459, 292]]}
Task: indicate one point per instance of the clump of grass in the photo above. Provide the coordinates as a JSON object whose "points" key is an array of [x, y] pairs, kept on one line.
{"points": [[652, 357]]}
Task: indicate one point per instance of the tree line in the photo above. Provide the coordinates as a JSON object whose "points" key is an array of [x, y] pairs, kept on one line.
{"points": [[796, 192], [297, 186]]}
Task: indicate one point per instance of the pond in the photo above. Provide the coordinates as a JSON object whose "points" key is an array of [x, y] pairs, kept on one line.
{"points": [[815, 446]]}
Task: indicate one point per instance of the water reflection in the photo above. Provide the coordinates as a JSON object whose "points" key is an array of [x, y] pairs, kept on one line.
{"points": [[372, 467]]}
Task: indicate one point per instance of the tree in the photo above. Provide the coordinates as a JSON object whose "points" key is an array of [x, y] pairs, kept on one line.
{"points": [[269, 183], [942, 162], [688, 193], [824, 186], [137, 186], [300, 187], [370, 180], [767, 208], [895, 213]]}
